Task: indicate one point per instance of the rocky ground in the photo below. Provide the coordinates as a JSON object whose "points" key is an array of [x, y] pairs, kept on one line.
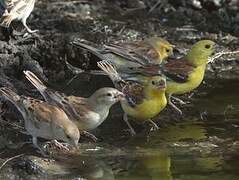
{"points": [[59, 22]]}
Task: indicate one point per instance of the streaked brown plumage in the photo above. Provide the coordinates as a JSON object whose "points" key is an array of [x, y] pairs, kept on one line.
{"points": [[131, 54], [87, 113], [43, 120]]}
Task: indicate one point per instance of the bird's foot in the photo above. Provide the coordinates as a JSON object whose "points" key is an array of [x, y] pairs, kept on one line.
{"points": [[154, 126], [175, 107], [90, 135], [61, 146], [180, 101], [30, 32]]}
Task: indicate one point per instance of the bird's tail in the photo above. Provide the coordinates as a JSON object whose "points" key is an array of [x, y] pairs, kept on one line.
{"points": [[35, 81], [93, 50], [6, 19], [9, 94], [14, 98], [49, 95], [110, 71]]}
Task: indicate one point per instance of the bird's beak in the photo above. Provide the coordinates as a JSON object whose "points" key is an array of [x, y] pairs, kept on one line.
{"points": [[173, 56], [121, 96], [162, 84]]}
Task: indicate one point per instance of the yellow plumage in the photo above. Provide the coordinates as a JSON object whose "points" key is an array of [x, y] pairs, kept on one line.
{"points": [[144, 100], [192, 67], [184, 74], [194, 80], [151, 106]]}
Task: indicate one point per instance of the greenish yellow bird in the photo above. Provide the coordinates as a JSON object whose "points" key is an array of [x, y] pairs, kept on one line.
{"points": [[143, 100], [184, 74], [131, 54]]}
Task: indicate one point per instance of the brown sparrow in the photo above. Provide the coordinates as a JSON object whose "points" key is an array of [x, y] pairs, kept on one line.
{"points": [[18, 10], [43, 120], [87, 113]]}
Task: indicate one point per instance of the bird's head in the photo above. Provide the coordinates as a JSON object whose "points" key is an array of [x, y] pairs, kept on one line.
{"points": [[163, 48], [200, 52], [156, 83], [107, 96], [72, 134]]}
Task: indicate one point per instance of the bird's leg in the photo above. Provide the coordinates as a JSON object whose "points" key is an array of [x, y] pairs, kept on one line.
{"points": [[34, 141], [90, 135], [155, 126], [27, 28], [125, 118], [60, 145], [70, 81], [191, 95], [179, 100], [173, 105]]}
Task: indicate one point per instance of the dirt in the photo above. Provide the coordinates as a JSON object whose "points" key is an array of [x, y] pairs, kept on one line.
{"points": [[59, 22]]}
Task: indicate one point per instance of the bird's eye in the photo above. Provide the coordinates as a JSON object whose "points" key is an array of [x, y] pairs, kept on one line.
{"points": [[68, 137], [207, 46], [108, 94], [167, 50], [153, 82]]}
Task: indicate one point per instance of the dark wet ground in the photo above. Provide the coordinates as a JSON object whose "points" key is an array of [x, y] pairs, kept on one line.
{"points": [[201, 144]]}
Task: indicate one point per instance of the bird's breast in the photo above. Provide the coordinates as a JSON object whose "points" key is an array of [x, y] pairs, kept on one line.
{"points": [[89, 121], [194, 80], [146, 110], [29, 8]]}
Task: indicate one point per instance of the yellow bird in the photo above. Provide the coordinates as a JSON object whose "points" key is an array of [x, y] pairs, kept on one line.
{"points": [[143, 100], [131, 54], [183, 74]]}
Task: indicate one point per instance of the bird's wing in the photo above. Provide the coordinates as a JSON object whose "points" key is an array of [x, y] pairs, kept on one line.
{"points": [[78, 105], [140, 53], [37, 111], [16, 6], [178, 70], [151, 70], [41, 112], [133, 90], [134, 93], [67, 103]]}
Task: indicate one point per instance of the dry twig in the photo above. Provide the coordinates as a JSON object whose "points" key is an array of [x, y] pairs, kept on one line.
{"points": [[10, 159], [218, 55]]}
